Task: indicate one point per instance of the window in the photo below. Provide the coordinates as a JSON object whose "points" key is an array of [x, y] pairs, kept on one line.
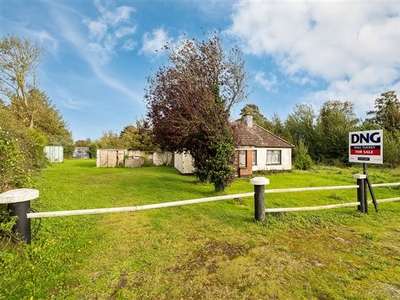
{"points": [[242, 158], [254, 157], [273, 157]]}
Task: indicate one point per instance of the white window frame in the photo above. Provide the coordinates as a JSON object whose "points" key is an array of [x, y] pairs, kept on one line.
{"points": [[242, 159], [254, 157], [274, 157]]}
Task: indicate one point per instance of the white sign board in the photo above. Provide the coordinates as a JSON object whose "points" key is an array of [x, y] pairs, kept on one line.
{"points": [[366, 146]]}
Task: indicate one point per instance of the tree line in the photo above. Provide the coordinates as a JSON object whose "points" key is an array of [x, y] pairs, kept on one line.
{"points": [[322, 137], [28, 119]]}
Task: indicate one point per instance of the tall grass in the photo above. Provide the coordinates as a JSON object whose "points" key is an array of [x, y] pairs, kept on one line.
{"points": [[203, 251]]}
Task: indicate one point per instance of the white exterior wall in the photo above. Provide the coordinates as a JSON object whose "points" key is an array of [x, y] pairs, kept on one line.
{"points": [[286, 159], [183, 162]]}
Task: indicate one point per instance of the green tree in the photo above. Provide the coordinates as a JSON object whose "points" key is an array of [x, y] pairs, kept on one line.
{"points": [[302, 160], [19, 59], [387, 112], [391, 146], [110, 140], [278, 127], [45, 117], [336, 119], [83, 143], [258, 117], [189, 104], [139, 137], [301, 127]]}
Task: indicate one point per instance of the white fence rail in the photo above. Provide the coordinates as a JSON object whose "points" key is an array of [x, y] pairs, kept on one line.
{"points": [[219, 198], [132, 208], [22, 198]]}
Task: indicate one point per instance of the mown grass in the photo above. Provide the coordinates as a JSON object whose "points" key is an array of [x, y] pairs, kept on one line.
{"points": [[205, 251]]}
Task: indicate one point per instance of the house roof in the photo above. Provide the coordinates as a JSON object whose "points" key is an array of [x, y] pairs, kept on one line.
{"points": [[256, 136]]}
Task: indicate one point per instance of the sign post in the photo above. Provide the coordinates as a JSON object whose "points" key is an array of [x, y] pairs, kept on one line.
{"points": [[366, 147]]}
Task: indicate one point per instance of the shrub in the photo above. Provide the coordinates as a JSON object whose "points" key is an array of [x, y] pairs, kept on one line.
{"points": [[93, 150], [13, 166], [302, 159], [219, 168]]}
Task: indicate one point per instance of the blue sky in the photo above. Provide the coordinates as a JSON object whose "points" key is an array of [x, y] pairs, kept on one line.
{"points": [[99, 53]]}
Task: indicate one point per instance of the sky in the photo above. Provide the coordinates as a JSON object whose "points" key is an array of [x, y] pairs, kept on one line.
{"points": [[99, 53]]}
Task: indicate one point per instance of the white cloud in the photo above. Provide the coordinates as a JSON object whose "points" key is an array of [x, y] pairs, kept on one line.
{"points": [[153, 43], [114, 17], [269, 84], [95, 54], [353, 46], [129, 45], [110, 28], [97, 29], [124, 31]]}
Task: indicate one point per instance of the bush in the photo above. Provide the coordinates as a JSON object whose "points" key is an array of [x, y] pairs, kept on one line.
{"points": [[302, 159], [13, 167], [6, 223], [68, 150], [32, 145], [219, 168], [93, 150]]}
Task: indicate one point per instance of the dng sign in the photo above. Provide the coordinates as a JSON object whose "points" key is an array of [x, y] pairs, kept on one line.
{"points": [[366, 146]]}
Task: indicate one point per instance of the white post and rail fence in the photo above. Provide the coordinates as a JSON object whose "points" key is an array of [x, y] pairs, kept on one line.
{"points": [[18, 202]]}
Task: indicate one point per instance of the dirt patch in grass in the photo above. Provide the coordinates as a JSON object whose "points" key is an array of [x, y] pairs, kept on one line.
{"points": [[210, 256]]}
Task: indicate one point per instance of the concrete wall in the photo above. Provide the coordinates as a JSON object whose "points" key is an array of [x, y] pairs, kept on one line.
{"points": [[108, 158]]}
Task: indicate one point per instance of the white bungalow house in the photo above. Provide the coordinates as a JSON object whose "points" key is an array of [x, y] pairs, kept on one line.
{"points": [[258, 149]]}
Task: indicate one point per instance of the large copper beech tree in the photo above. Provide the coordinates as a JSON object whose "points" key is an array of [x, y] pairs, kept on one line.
{"points": [[189, 103]]}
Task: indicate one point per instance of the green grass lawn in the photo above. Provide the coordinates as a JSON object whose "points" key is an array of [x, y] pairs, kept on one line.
{"points": [[211, 250]]}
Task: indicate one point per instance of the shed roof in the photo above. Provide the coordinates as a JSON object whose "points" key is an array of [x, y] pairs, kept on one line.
{"points": [[258, 136]]}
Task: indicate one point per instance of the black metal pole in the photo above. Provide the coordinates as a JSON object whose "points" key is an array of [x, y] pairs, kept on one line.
{"points": [[23, 225], [362, 207], [18, 203], [365, 188], [371, 190], [259, 204], [259, 197]]}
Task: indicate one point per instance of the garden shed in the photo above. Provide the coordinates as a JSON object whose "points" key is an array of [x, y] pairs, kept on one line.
{"points": [[81, 152], [183, 162], [55, 154], [107, 158]]}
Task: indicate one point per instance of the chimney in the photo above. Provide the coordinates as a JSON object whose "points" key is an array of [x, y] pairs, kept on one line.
{"points": [[248, 120]]}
